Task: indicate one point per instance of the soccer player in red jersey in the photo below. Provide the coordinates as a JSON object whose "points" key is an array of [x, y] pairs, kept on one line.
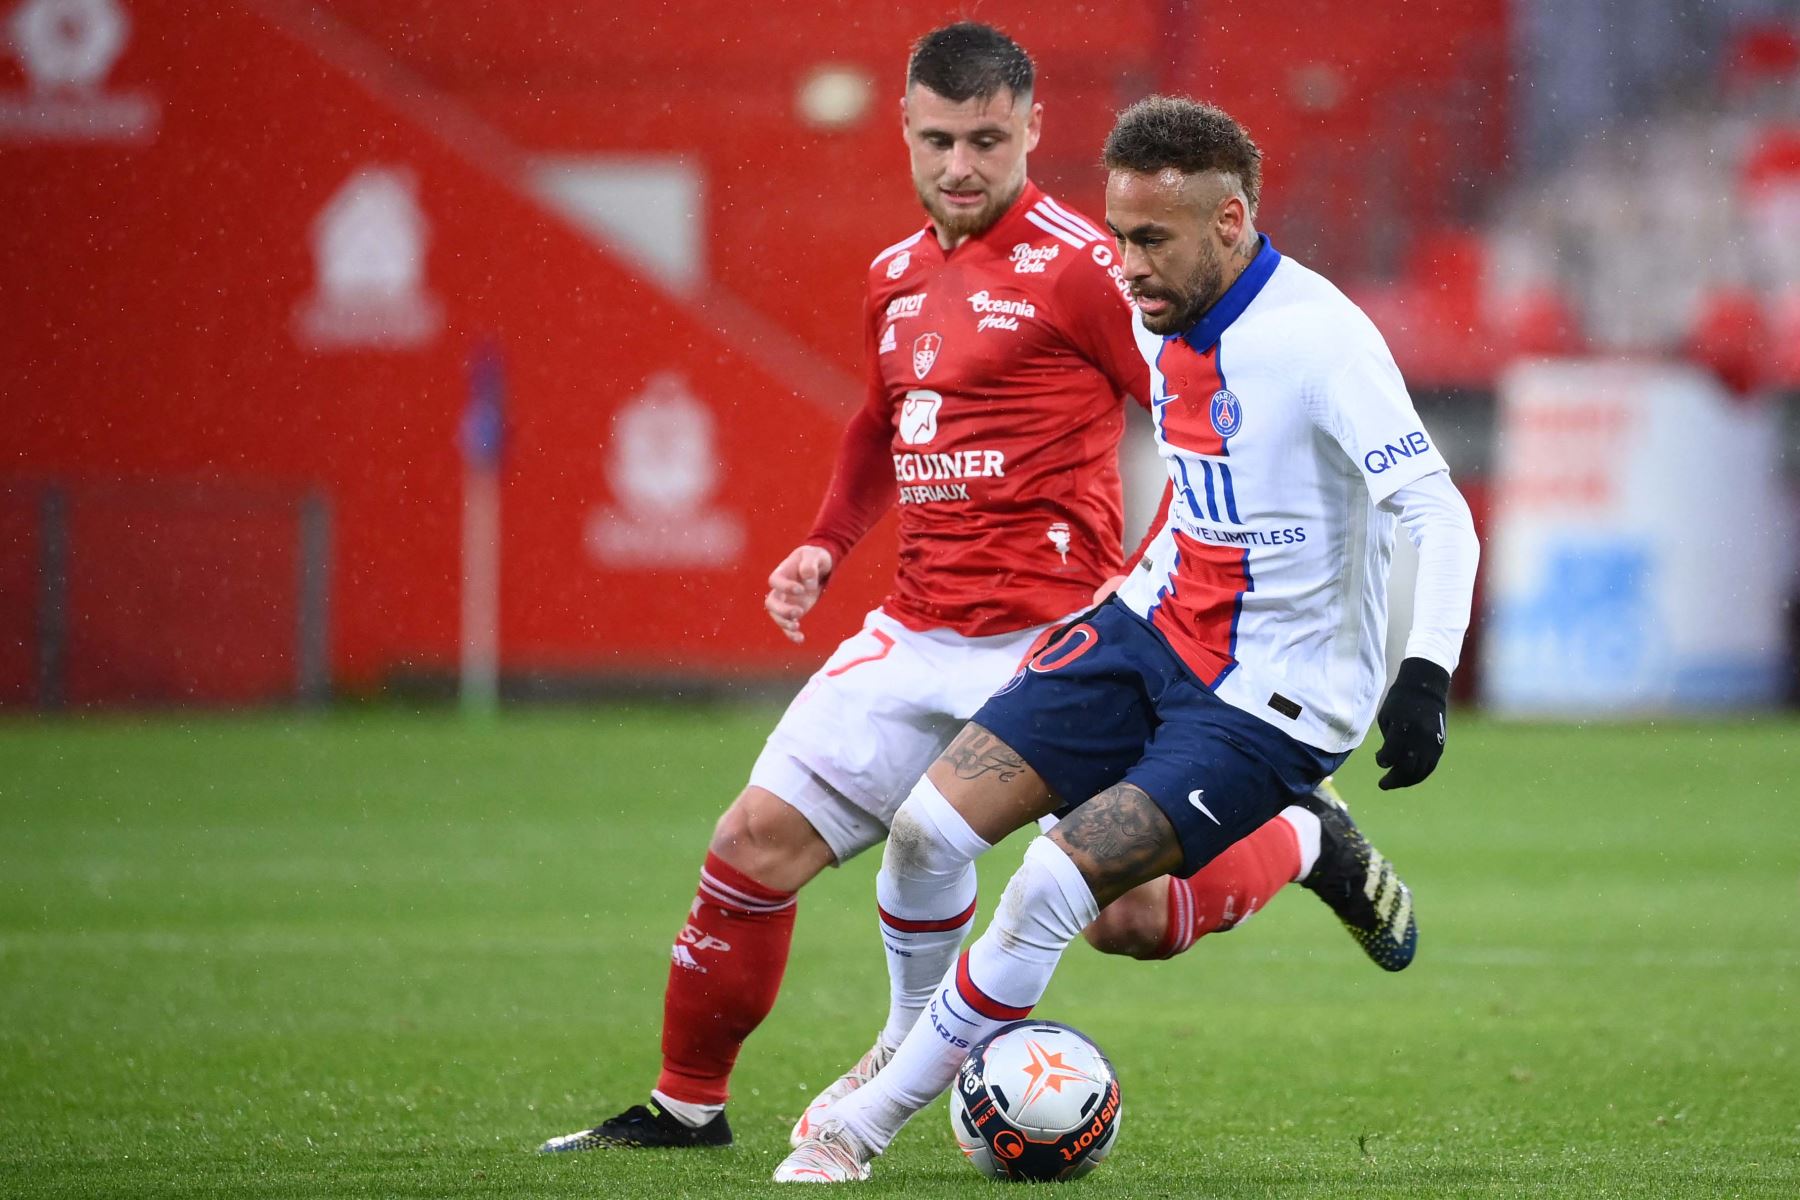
{"points": [[1000, 346]]}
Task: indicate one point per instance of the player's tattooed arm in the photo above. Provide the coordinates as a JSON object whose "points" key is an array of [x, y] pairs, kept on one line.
{"points": [[976, 753], [1119, 839]]}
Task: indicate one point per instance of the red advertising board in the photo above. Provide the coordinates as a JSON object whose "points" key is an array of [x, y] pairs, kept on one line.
{"points": [[271, 269]]}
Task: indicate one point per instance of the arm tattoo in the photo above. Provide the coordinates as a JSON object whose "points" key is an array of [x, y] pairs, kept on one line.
{"points": [[1120, 839], [976, 752]]}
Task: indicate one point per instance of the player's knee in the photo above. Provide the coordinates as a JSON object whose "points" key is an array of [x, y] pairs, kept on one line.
{"points": [[764, 837], [1129, 926], [919, 844], [910, 842], [929, 839]]}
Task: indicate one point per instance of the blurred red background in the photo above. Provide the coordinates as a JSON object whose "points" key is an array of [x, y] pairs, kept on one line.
{"points": [[160, 291]]}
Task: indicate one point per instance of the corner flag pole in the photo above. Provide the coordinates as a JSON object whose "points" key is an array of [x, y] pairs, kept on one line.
{"points": [[483, 440]]}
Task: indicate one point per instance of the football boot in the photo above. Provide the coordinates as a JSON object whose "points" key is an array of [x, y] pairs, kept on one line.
{"points": [[831, 1155], [1360, 885], [842, 1086], [643, 1127]]}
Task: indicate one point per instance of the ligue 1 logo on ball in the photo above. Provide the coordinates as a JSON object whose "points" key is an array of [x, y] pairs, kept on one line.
{"points": [[1227, 413]]}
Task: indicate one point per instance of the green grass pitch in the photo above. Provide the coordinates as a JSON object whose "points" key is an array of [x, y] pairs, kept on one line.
{"points": [[383, 955]]}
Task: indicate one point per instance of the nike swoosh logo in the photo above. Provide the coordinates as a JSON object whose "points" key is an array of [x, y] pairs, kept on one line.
{"points": [[1440, 729], [1196, 798]]}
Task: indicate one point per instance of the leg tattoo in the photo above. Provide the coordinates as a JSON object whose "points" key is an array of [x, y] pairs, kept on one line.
{"points": [[976, 753], [1119, 839]]}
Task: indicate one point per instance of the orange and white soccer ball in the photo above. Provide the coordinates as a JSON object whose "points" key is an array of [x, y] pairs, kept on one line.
{"points": [[1035, 1100]]}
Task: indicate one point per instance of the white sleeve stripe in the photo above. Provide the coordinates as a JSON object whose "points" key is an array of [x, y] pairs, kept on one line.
{"points": [[1063, 223], [896, 248], [1074, 218], [1057, 231]]}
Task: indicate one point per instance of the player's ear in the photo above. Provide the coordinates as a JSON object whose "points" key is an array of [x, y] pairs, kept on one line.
{"points": [[905, 118], [1034, 128], [1232, 218]]}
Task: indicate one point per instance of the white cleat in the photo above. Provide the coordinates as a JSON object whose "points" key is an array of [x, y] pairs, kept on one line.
{"points": [[865, 1069], [832, 1155]]}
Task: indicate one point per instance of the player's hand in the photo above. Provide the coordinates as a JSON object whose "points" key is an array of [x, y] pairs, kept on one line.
{"points": [[794, 588], [1412, 723], [1108, 588]]}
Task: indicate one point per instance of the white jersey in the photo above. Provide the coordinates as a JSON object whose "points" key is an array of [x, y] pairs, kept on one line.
{"points": [[1284, 423]]}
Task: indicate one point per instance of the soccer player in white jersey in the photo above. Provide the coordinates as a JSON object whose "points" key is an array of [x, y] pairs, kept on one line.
{"points": [[999, 342], [1240, 662]]}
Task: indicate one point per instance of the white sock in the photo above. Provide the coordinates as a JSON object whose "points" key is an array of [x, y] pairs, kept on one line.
{"points": [[926, 893], [691, 1115], [1045, 907], [1306, 828]]}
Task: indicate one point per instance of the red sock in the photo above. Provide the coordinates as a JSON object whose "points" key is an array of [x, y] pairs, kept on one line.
{"points": [[728, 962], [1227, 890]]}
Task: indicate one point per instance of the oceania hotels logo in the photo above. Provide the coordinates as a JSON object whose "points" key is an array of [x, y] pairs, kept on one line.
{"points": [[1000, 313], [983, 302]]}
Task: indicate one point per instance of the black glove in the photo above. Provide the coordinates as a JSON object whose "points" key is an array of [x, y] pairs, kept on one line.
{"points": [[1412, 723]]}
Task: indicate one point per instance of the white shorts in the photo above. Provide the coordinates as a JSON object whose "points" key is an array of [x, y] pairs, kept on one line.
{"points": [[873, 718]]}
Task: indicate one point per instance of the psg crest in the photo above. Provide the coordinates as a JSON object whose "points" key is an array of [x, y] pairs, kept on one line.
{"points": [[1227, 414], [925, 352]]}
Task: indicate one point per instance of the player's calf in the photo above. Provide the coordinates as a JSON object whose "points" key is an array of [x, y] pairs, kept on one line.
{"points": [[725, 970], [1136, 925], [925, 901]]}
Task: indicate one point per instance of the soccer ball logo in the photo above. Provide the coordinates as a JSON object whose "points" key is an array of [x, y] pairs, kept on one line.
{"points": [[1035, 1100]]}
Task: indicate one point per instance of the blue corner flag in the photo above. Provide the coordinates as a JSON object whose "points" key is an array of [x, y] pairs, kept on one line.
{"points": [[484, 419]]}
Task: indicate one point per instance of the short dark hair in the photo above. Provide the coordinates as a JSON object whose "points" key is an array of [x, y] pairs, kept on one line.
{"points": [[1159, 132], [969, 60]]}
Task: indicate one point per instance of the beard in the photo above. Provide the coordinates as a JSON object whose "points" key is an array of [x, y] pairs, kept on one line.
{"points": [[1191, 300], [959, 224]]}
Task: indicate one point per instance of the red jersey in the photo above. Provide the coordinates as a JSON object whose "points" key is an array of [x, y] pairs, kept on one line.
{"points": [[993, 416]]}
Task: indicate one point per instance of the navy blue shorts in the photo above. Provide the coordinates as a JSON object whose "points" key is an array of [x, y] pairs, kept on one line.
{"points": [[1107, 702]]}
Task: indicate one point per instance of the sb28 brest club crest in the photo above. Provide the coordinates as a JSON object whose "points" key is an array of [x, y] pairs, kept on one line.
{"points": [[925, 352]]}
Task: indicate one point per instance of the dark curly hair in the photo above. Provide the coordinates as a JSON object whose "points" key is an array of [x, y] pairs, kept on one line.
{"points": [[1159, 132], [969, 60]]}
